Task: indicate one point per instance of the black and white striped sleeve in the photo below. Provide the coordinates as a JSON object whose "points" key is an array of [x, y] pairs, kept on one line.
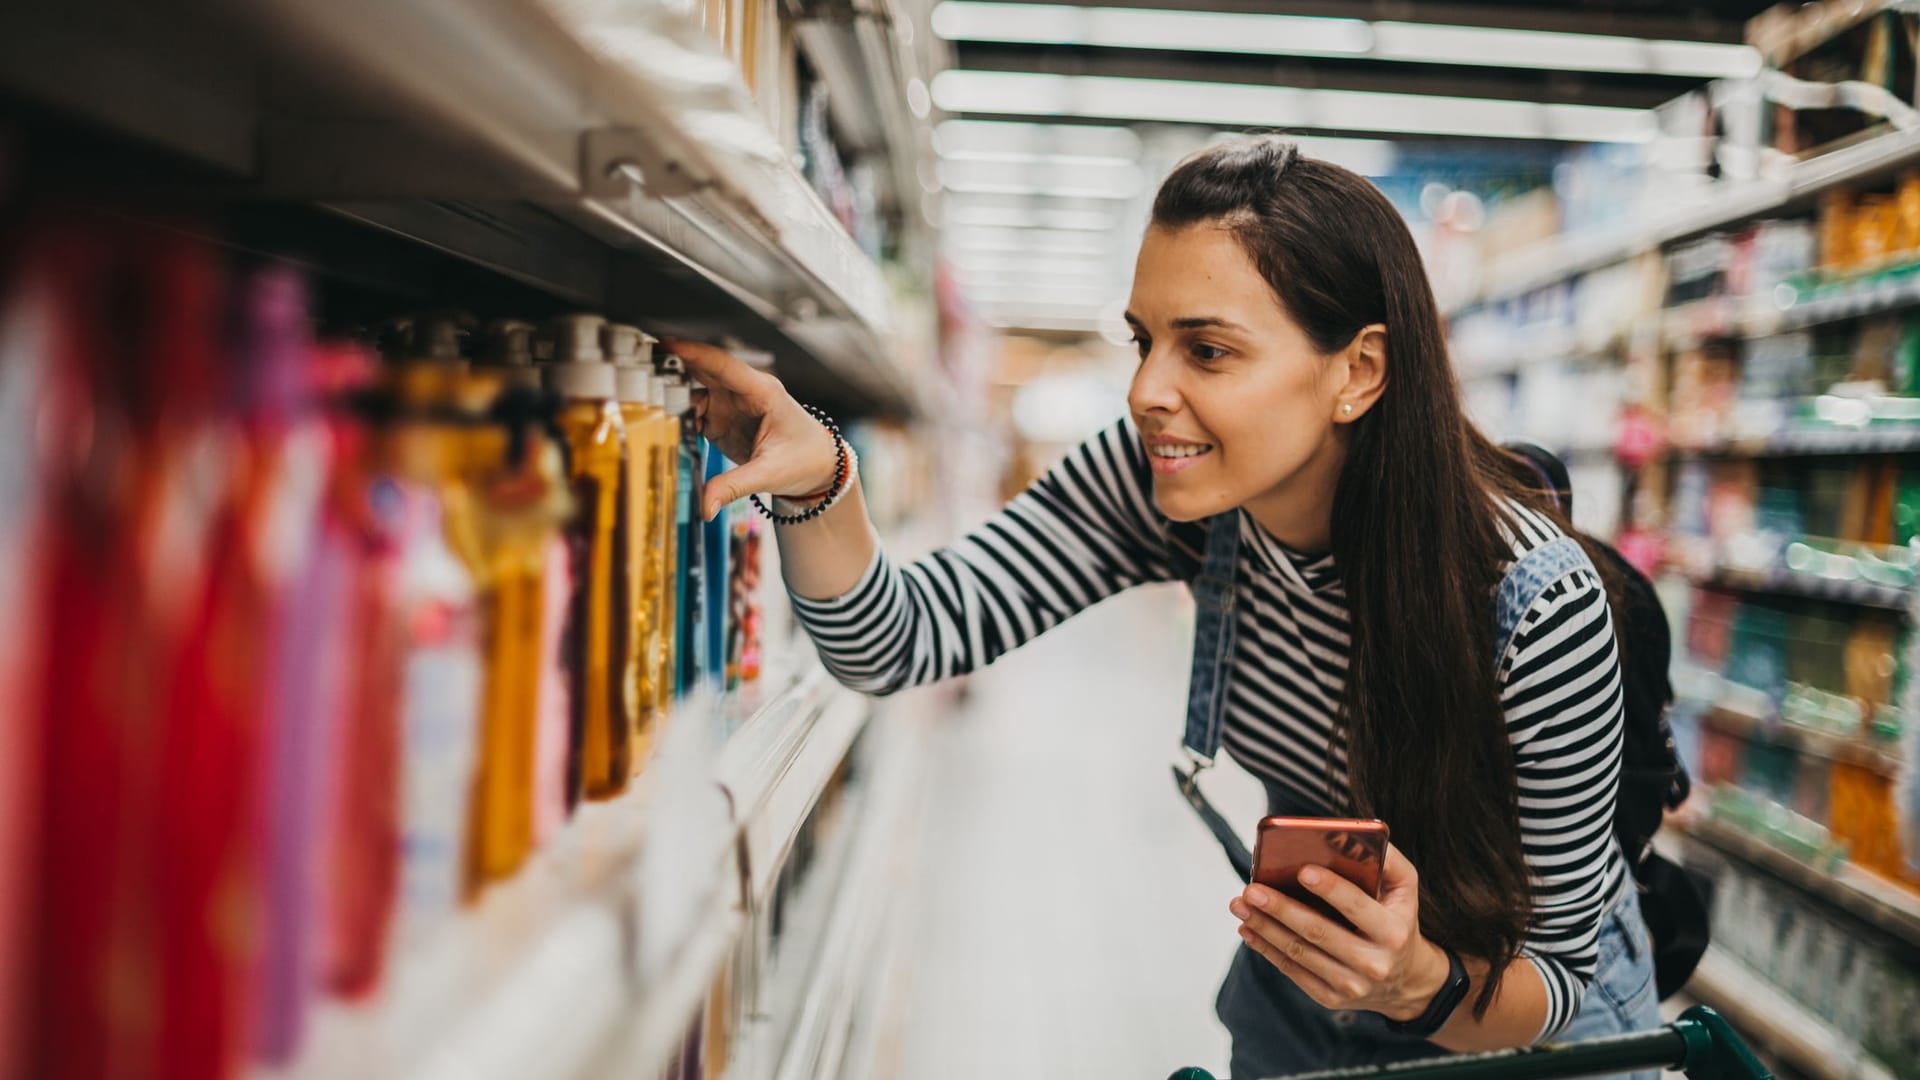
{"points": [[1081, 533], [1564, 702]]}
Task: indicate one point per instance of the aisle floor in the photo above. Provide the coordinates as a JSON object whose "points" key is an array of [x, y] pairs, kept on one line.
{"points": [[1073, 911]]}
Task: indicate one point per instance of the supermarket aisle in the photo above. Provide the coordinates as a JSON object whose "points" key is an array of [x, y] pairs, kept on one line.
{"points": [[1075, 914]]}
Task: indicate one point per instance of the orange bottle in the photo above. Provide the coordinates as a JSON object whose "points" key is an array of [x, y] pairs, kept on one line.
{"points": [[630, 351], [600, 756]]}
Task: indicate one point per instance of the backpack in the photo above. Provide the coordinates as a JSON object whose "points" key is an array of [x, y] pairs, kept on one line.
{"points": [[1652, 778]]}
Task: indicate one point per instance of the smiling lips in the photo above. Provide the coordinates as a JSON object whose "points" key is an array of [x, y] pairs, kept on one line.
{"points": [[1170, 456]]}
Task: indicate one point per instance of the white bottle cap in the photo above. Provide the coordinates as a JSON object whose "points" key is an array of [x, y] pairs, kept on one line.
{"points": [[630, 351], [591, 381], [576, 339], [578, 368], [679, 400]]}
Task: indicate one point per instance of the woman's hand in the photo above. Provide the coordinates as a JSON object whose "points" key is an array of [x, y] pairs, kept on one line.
{"points": [[777, 447], [1382, 964]]}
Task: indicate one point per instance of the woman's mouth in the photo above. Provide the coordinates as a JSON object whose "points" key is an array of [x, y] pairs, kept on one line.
{"points": [[1175, 457]]}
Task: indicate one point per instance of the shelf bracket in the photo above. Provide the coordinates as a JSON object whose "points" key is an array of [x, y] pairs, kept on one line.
{"points": [[614, 160]]}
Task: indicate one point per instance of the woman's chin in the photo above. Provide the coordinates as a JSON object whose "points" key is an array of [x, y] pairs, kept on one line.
{"points": [[1176, 504]]}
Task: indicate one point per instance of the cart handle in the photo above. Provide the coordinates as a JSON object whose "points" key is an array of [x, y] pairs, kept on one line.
{"points": [[1701, 1043]]}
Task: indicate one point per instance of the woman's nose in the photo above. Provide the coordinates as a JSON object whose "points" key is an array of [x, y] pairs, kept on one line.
{"points": [[1154, 387]]}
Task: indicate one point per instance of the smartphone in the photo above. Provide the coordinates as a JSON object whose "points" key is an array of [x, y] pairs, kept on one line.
{"points": [[1354, 848]]}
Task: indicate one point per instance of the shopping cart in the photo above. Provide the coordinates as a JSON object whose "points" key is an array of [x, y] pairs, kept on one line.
{"points": [[1701, 1044]]}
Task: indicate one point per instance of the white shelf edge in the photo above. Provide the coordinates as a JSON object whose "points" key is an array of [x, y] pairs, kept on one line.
{"points": [[1759, 1010]]}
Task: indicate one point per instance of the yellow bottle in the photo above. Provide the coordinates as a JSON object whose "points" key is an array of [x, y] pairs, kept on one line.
{"points": [[600, 756], [521, 484], [630, 351], [670, 396]]}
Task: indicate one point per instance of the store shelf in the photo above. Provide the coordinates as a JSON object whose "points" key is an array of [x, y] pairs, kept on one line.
{"points": [[856, 920], [1788, 583], [1852, 750], [1878, 903], [1761, 1013], [621, 121], [1869, 296], [1723, 206], [555, 972], [1829, 442], [775, 767]]}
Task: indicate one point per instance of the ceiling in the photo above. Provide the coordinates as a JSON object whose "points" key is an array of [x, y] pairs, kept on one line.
{"points": [[1062, 115]]}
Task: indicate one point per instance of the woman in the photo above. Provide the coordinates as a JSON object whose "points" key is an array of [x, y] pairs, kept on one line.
{"points": [[1293, 377]]}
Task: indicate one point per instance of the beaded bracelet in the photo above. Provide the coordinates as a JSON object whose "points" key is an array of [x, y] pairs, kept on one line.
{"points": [[842, 473]]}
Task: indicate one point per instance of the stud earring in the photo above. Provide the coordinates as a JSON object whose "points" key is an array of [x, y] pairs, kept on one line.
{"points": [[1347, 408]]}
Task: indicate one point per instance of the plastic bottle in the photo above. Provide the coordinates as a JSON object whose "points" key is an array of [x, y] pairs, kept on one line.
{"points": [[440, 699], [521, 484], [689, 471], [663, 609], [630, 351], [601, 753]]}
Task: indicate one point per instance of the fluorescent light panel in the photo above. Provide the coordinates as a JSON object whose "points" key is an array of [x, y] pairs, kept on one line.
{"points": [[1033, 94], [1110, 178], [956, 137], [997, 269], [1028, 217], [1000, 241], [1294, 35]]}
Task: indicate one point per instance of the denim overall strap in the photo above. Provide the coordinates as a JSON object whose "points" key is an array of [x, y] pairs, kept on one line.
{"points": [[1527, 579], [1213, 631]]}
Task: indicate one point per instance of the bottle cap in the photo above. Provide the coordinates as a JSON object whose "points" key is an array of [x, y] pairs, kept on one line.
{"points": [[437, 334], [679, 399], [575, 339], [630, 351], [585, 380], [507, 345], [577, 368]]}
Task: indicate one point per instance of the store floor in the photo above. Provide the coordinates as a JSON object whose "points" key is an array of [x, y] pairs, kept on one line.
{"points": [[1074, 912]]}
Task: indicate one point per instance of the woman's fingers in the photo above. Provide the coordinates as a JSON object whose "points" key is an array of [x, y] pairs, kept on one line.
{"points": [[1316, 928], [1366, 914], [735, 483], [1313, 985], [715, 367], [1301, 952]]}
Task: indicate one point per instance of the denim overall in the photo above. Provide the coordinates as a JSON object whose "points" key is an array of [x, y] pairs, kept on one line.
{"points": [[1277, 1029]]}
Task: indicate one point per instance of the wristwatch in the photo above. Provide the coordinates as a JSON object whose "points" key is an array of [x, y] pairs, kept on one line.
{"points": [[1440, 1010]]}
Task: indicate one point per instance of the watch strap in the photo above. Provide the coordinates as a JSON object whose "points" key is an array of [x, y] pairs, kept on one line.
{"points": [[1444, 1004]]}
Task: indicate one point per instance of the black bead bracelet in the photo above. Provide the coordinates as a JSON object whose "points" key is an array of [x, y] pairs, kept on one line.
{"points": [[842, 470]]}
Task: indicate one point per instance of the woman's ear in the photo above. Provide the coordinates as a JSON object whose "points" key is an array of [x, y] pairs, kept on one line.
{"points": [[1363, 363]]}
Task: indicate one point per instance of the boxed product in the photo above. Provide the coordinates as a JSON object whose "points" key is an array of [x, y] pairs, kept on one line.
{"points": [[1709, 630], [1772, 772], [1757, 656]]}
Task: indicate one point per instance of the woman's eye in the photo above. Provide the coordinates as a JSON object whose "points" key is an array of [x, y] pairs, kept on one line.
{"points": [[1142, 346], [1207, 354]]}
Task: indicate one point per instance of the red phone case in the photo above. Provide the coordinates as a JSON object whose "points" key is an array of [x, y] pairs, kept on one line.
{"points": [[1354, 848]]}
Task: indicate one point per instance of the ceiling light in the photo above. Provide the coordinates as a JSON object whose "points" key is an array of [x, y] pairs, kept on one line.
{"points": [[1024, 93], [1126, 28], [961, 136], [1018, 266], [1294, 35], [1015, 241], [1020, 217], [1115, 179]]}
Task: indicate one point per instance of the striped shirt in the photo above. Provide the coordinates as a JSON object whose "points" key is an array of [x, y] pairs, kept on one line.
{"points": [[1089, 529]]}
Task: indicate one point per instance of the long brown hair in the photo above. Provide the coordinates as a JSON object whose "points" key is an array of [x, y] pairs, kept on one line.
{"points": [[1417, 534]]}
